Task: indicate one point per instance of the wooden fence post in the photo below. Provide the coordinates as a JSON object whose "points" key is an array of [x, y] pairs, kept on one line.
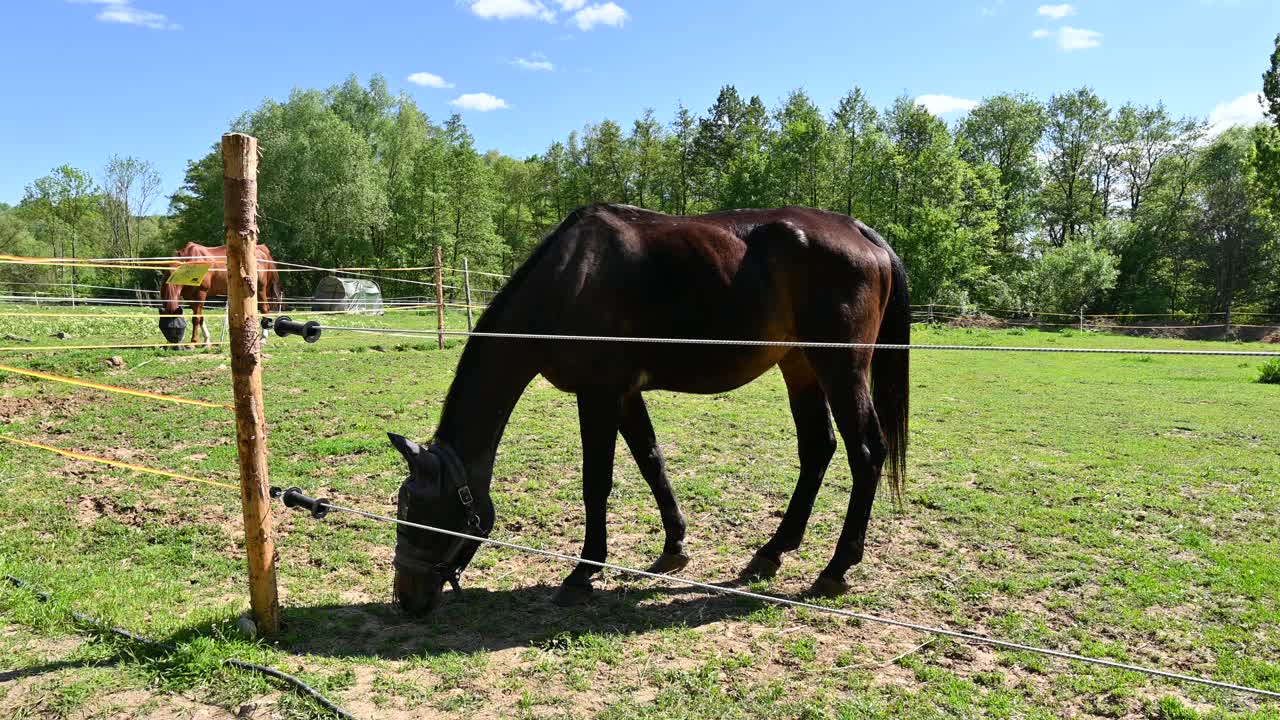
{"points": [[466, 282], [240, 208], [1081, 318], [439, 298]]}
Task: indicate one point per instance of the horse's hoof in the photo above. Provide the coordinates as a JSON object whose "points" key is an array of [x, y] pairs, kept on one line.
{"points": [[669, 563], [761, 567], [828, 588], [572, 595]]}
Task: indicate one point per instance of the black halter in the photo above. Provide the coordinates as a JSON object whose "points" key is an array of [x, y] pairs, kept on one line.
{"points": [[409, 557]]}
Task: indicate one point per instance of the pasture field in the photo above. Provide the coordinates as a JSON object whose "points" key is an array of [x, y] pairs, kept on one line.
{"points": [[1115, 506]]}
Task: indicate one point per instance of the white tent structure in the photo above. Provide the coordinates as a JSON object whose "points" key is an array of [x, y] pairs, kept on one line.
{"points": [[355, 295]]}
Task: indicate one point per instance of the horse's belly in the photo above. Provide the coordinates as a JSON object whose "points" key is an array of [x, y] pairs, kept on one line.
{"points": [[711, 370], [678, 368]]}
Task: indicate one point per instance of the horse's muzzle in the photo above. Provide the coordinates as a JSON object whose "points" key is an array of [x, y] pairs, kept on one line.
{"points": [[174, 328], [418, 593]]}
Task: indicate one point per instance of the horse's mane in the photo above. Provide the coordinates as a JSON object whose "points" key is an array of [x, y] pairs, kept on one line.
{"points": [[496, 307]]}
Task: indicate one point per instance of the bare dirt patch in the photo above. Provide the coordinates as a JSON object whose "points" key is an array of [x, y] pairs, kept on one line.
{"points": [[44, 406]]}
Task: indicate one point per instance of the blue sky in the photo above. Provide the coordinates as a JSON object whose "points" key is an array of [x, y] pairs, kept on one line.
{"points": [[161, 79]]}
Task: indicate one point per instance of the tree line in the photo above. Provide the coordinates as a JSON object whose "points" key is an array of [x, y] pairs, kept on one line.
{"points": [[1023, 203]]}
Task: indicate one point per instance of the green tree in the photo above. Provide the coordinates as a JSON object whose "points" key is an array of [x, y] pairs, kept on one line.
{"points": [[320, 191], [856, 137], [1077, 126], [129, 186], [605, 163], [716, 145], [1004, 132], [1266, 149], [468, 200], [799, 158], [681, 165], [1156, 258], [59, 206], [1234, 236], [644, 146], [1071, 276]]}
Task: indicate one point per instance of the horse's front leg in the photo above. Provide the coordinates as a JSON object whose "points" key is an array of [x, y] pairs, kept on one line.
{"points": [[598, 418], [196, 320], [204, 332], [637, 430]]}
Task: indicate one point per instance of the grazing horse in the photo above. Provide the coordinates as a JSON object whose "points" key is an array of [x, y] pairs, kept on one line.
{"points": [[790, 274], [214, 282]]}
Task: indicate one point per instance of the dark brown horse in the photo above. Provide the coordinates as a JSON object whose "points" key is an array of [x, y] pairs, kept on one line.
{"points": [[214, 283], [610, 270]]}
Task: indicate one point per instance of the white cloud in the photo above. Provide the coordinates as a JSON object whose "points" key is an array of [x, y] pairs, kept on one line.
{"points": [[1070, 38], [943, 104], [1057, 12], [1244, 110], [123, 12], [578, 12], [536, 61], [511, 9], [480, 102], [601, 14], [428, 80]]}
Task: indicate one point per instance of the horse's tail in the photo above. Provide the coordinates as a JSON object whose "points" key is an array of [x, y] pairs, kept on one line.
{"points": [[890, 376], [275, 292]]}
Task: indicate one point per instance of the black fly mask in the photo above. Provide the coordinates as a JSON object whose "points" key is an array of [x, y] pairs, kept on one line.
{"points": [[436, 493]]}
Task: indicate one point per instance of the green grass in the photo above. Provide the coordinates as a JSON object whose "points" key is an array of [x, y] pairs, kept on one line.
{"points": [[1115, 506], [1269, 372]]}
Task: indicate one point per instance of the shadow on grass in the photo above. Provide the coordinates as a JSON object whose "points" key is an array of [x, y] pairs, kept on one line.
{"points": [[54, 666], [490, 620]]}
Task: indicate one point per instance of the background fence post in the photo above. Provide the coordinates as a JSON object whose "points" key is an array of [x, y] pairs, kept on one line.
{"points": [[439, 298], [240, 208], [1081, 318], [466, 282]]}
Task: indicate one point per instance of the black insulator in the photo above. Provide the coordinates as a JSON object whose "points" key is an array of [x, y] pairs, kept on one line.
{"points": [[309, 331], [293, 497]]}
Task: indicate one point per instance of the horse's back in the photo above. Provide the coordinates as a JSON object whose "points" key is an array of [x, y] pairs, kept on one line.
{"points": [[791, 273], [729, 263]]}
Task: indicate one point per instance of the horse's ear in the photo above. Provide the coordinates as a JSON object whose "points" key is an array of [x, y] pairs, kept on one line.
{"points": [[408, 448]]}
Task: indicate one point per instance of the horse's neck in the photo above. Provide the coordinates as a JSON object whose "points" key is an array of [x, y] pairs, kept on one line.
{"points": [[490, 379], [171, 299]]}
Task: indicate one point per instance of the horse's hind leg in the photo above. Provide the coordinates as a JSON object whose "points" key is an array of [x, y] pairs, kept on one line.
{"points": [[817, 443], [845, 378], [599, 416], [637, 430]]}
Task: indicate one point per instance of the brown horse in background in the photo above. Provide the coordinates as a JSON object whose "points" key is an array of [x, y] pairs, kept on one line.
{"points": [[619, 271], [214, 283]]}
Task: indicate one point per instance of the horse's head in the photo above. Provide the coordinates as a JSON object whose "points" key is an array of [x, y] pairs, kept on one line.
{"points": [[436, 493], [171, 322]]}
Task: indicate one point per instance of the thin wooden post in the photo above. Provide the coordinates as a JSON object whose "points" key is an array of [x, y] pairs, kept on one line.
{"points": [[466, 283], [240, 210], [439, 297], [1081, 318]]}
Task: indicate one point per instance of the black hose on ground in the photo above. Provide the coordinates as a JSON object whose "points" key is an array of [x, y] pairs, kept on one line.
{"points": [[297, 684]]}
